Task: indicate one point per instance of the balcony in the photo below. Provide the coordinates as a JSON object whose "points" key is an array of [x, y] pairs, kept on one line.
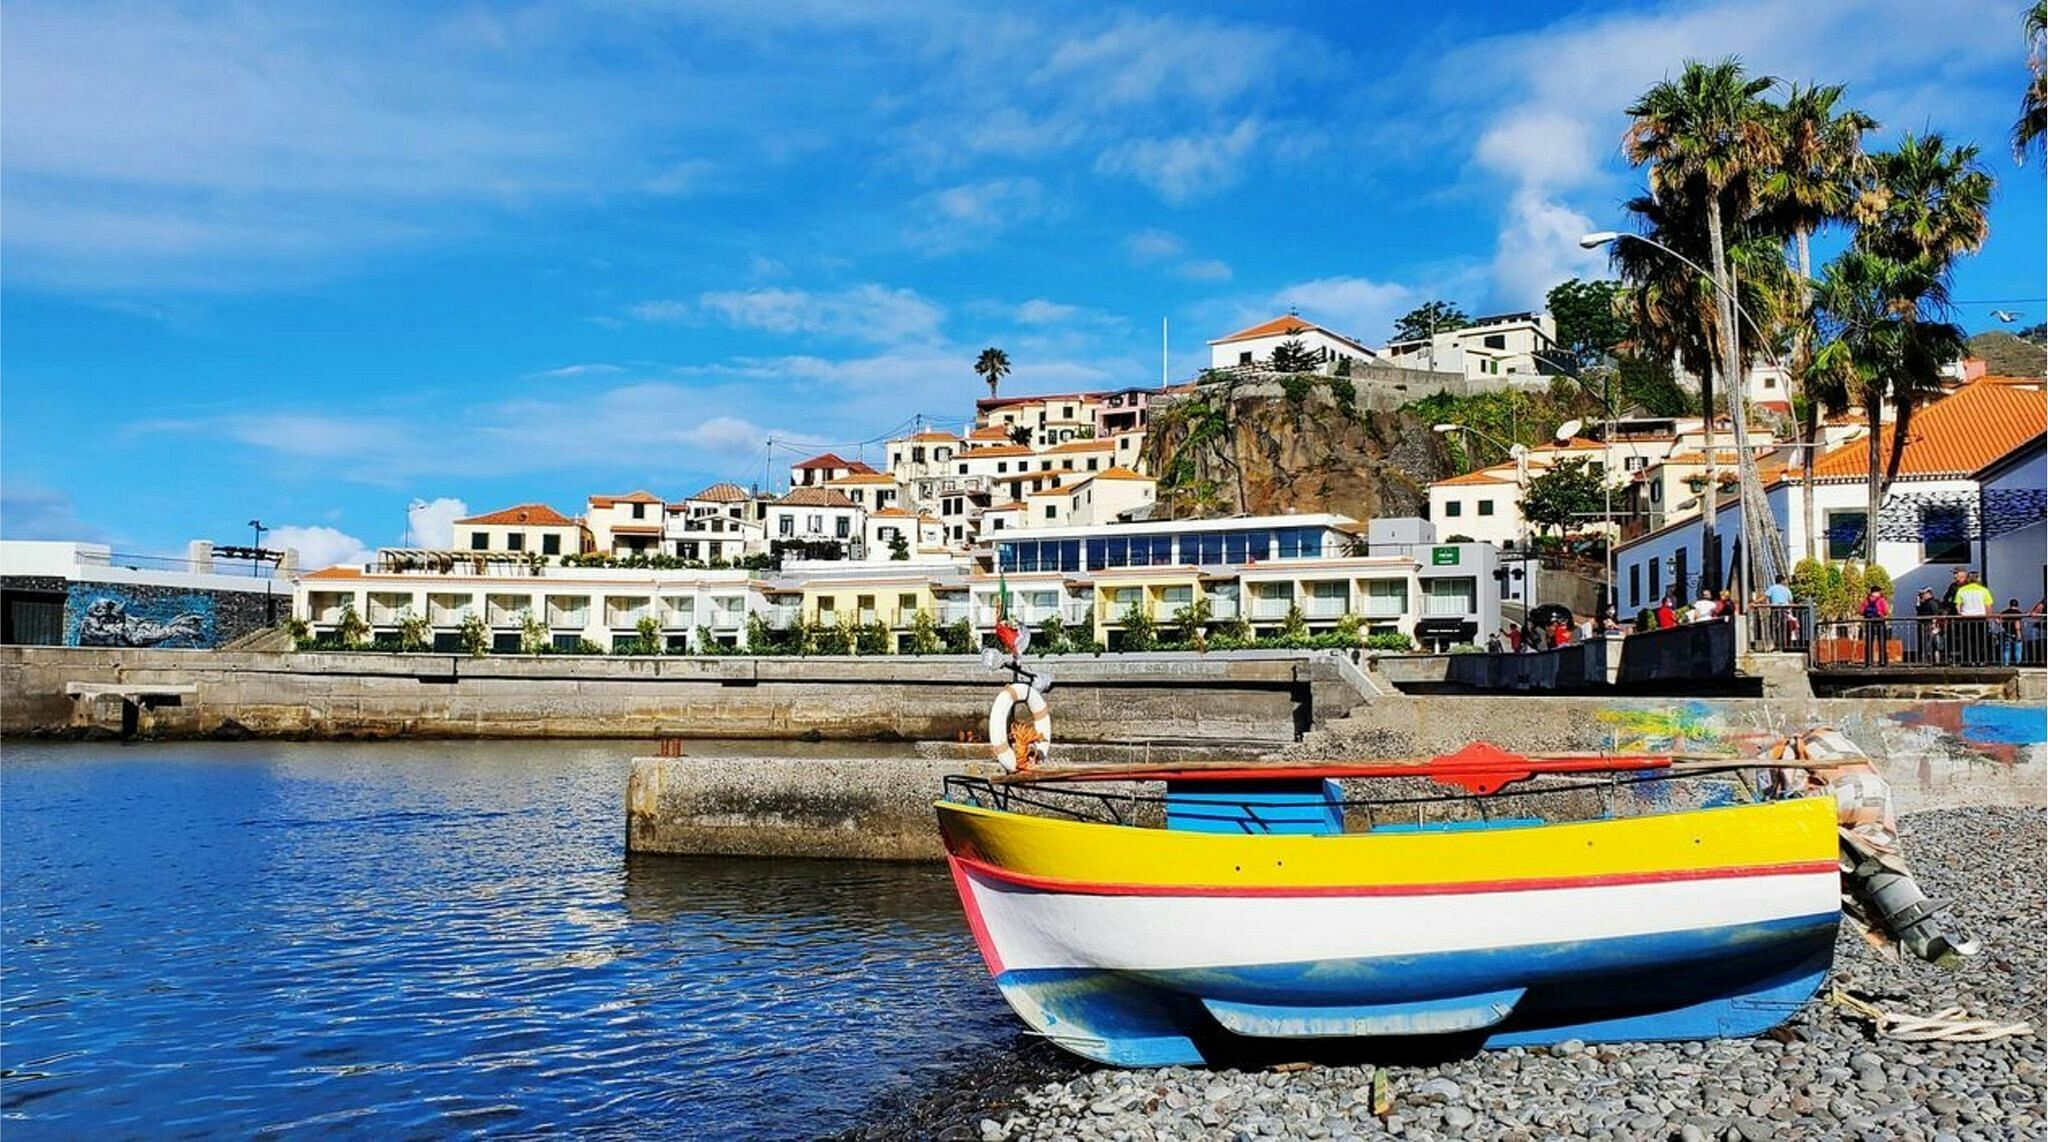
{"points": [[1324, 607], [949, 613], [448, 610], [1222, 607], [1275, 607], [507, 612], [782, 616], [728, 616]]}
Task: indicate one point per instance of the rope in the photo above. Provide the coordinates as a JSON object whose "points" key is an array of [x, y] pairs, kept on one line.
{"points": [[1949, 1025]]}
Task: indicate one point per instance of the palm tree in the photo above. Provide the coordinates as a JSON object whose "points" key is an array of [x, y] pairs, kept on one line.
{"points": [[2026, 131], [1884, 346], [1819, 169], [992, 366], [1927, 200], [1704, 137]]}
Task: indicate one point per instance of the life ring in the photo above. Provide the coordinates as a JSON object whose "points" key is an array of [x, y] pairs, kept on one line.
{"points": [[999, 725]]}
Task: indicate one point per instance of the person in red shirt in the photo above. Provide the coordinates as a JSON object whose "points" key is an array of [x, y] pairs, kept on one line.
{"points": [[1666, 617]]}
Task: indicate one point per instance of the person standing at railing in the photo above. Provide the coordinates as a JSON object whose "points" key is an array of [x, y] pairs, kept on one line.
{"points": [[2011, 631], [1877, 613], [1928, 610], [1973, 609], [1666, 616]]}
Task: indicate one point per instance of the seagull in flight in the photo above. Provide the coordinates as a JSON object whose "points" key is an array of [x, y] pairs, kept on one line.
{"points": [[2006, 315]]}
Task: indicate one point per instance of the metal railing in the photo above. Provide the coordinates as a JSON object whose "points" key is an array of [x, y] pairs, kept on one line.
{"points": [[1952, 642], [1781, 629]]}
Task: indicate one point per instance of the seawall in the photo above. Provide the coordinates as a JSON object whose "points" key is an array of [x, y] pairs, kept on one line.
{"points": [[1935, 754], [1251, 697]]}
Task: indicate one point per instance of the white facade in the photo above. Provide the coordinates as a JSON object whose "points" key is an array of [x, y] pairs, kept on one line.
{"points": [[1508, 344], [631, 524], [817, 515], [1253, 347], [520, 529]]}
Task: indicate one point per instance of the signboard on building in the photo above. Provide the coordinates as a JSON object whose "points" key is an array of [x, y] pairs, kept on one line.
{"points": [[1443, 557]]}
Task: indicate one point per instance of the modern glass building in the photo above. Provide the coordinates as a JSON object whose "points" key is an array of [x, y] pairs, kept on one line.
{"points": [[1174, 543]]}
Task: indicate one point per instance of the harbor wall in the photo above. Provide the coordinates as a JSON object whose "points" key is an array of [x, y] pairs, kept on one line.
{"points": [[1935, 754], [1243, 697]]}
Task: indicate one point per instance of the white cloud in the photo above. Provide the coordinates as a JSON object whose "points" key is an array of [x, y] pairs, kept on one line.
{"points": [[1148, 247], [567, 372], [1165, 249], [318, 546], [1184, 167], [31, 511], [1538, 248], [1550, 129], [974, 214], [660, 311], [1039, 311], [431, 523], [869, 312], [1356, 307]]}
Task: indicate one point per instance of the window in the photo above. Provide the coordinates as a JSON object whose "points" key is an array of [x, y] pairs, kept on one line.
{"points": [[1845, 533], [788, 525], [817, 525], [963, 469], [1656, 578], [1635, 585], [1449, 596], [1208, 548], [639, 511], [1051, 511], [1770, 382], [1495, 341], [1244, 358], [839, 526], [1067, 412], [550, 545], [1656, 491], [1944, 534], [906, 603], [1634, 463], [1002, 465], [1091, 463], [515, 541], [1386, 597], [1453, 509], [479, 541], [1485, 507], [996, 524]]}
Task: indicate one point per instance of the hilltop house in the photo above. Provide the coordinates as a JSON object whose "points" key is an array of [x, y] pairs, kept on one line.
{"points": [[521, 528], [1505, 344], [1252, 347]]}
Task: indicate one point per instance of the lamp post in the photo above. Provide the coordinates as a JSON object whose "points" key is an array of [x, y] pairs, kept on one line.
{"points": [[256, 560], [1710, 508]]}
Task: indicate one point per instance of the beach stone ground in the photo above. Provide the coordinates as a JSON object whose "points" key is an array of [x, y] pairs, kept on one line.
{"points": [[1821, 1075]]}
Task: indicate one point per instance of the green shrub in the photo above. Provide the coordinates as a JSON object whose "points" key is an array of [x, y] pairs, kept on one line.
{"points": [[872, 638], [351, 631], [1236, 631], [959, 637], [1347, 629], [924, 635], [1296, 388], [1294, 628], [1390, 640], [1052, 637], [476, 637], [1342, 388], [649, 630], [533, 635], [1140, 632]]}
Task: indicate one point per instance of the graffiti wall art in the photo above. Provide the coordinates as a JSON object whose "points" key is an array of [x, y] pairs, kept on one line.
{"points": [[101, 614]]}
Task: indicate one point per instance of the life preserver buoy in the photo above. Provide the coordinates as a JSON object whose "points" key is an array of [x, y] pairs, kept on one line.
{"points": [[999, 725]]}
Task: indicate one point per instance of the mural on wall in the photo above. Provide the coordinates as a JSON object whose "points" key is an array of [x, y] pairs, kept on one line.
{"points": [[104, 615], [2013, 734]]}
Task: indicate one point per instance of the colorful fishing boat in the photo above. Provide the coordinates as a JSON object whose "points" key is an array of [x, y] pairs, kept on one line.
{"points": [[1162, 915]]}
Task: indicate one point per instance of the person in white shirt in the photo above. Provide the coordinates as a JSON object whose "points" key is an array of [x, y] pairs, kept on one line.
{"points": [[1703, 607]]}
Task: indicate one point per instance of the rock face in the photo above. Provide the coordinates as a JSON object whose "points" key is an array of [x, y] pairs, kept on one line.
{"points": [[1266, 445]]}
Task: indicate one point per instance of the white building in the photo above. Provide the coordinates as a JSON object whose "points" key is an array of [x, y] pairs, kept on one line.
{"points": [[631, 524], [1932, 520], [822, 469], [873, 491], [923, 537], [817, 515], [1253, 347], [719, 524], [1506, 344], [1043, 421], [1107, 496], [521, 528]]}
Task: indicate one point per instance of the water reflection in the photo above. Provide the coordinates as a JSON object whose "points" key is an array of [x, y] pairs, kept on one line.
{"points": [[407, 938]]}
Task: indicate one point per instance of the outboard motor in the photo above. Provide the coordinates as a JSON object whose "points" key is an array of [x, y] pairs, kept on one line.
{"points": [[1879, 891]]}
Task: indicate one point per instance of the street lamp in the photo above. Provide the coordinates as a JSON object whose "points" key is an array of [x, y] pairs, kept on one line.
{"points": [[1711, 506], [256, 559]]}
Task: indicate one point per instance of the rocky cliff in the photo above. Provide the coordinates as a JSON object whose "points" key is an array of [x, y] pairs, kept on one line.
{"points": [[1270, 444]]}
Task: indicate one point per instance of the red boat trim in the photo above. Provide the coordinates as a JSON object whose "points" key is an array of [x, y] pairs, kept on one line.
{"points": [[975, 924], [1454, 888]]}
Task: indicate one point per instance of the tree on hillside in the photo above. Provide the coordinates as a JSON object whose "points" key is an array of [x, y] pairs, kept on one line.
{"points": [[1429, 319], [992, 366], [1564, 497], [2026, 130], [1292, 356], [1589, 319]]}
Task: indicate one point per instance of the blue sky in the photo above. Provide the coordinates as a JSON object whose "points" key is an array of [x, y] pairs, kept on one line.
{"points": [[312, 264]]}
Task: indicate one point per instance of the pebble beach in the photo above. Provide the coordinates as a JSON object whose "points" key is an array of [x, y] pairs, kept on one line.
{"points": [[1823, 1074]]}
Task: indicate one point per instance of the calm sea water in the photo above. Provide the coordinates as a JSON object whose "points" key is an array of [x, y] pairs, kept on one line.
{"points": [[400, 939]]}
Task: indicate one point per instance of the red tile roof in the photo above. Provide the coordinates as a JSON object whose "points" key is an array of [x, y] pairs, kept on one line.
{"points": [[727, 493], [861, 478], [816, 498], [938, 436], [1085, 446], [628, 498], [338, 572], [997, 450], [1952, 437], [539, 515], [826, 460], [1280, 326], [1119, 472], [1482, 476]]}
